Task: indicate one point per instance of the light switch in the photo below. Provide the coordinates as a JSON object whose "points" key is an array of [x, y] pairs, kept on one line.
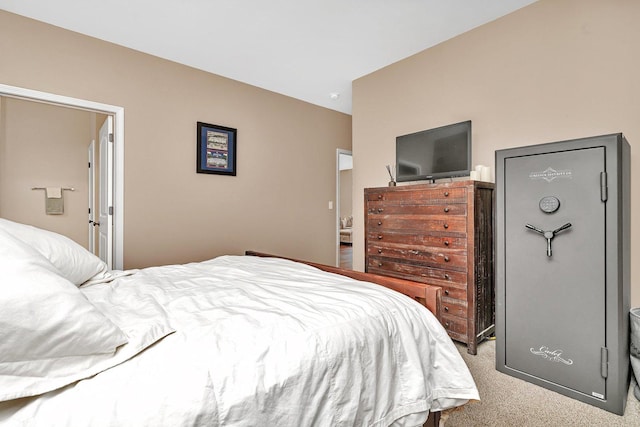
{"points": [[330, 204]]}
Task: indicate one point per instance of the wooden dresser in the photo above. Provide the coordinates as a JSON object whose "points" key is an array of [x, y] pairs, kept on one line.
{"points": [[439, 234]]}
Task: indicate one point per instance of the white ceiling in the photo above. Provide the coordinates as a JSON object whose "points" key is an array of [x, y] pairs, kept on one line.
{"points": [[306, 49]]}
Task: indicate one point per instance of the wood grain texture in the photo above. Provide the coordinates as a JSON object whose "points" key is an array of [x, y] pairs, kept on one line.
{"points": [[438, 234]]}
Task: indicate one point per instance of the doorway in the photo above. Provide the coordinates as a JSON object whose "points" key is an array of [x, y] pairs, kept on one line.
{"points": [[344, 212], [118, 151]]}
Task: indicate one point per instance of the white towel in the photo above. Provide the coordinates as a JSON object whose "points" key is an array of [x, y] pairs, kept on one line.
{"points": [[54, 203], [53, 193]]}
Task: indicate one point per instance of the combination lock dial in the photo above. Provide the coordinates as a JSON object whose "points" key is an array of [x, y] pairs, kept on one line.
{"points": [[549, 204]]}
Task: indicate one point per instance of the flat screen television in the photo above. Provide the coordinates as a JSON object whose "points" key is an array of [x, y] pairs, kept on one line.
{"points": [[443, 152]]}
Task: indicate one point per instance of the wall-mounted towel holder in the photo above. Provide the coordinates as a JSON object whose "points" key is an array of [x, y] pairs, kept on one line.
{"points": [[53, 201], [62, 188]]}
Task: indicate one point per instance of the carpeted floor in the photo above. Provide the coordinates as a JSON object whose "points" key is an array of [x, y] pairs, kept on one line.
{"points": [[508, 401]]}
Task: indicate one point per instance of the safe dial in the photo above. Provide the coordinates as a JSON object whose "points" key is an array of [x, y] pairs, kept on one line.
{"points": [[549, 204]]}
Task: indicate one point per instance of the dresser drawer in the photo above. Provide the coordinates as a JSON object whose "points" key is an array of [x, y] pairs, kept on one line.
{"points": [[455, 290], [454, 307], [455, 259], [455, 326], [418, 223], [437, 240], [432, 195], [382, 208], [418, 273]]}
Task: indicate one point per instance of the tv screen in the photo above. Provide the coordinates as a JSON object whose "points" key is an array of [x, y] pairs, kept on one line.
{"points": [[443, 152]]}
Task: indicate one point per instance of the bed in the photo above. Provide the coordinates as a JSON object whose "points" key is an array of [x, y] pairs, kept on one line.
{"points": [[234, 341]]}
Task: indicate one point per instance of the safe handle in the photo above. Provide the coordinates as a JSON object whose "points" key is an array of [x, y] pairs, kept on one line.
{"points": [[563, 227], [549, 235], [534, 228]]}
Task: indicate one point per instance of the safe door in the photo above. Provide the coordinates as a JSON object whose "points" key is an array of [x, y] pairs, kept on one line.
{"points": [[554, 241]]}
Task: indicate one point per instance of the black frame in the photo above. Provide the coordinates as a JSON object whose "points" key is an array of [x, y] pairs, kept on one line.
{"points": [[431, 136], [216, 148]]}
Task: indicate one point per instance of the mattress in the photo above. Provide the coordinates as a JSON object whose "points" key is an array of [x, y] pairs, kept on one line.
{"points": [[259, 341]]}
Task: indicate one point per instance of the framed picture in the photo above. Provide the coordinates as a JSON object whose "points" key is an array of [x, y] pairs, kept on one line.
{"points": [[217, 149]]}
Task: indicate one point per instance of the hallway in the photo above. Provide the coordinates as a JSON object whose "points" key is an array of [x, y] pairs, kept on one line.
{"points": [[346, 256]]}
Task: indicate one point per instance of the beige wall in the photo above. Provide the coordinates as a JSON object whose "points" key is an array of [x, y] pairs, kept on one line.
{"points": [[44, 146], [346, 192], [286, 149], [555, 70]]}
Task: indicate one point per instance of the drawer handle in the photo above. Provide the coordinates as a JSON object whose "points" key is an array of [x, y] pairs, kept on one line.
{"points": [[379, 251], [379, 222], [446, 194], [446, 258], [446, 243], [446, 324], [414, 252], [379, 264], [446, 291], [446, 308], [446, 226], [446, 209], [379, 196], [446, 276], [380, 210], [380, 237]]}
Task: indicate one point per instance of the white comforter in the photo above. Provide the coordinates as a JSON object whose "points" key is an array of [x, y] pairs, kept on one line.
{"points": [[261, 342]]}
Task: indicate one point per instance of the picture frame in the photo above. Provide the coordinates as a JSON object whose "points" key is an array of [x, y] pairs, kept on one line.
{"points": [[216, 149]]}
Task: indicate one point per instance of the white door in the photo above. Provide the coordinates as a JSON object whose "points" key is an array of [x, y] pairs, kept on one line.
{"points": [[92, 197], [105, 209]]}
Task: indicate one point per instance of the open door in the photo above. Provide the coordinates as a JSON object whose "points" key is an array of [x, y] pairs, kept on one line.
{"points": [[92, 197], [105, 208], [344, 238], [116, 114]]}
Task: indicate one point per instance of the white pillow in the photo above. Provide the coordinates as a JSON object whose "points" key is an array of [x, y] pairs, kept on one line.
{"points": [[44, 315], [45, 320], [74, 262]]}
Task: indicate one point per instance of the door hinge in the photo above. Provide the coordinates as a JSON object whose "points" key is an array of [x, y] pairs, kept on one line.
{"points": [[110, 137], [110, 210], [604, 362], [604, 192]]}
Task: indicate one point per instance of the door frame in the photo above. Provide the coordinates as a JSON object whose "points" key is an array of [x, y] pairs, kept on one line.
{"points": [[339, 152], [118, 147]]}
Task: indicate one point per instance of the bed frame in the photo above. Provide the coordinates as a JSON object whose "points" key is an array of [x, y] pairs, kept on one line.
{"points": [[427, 295]]}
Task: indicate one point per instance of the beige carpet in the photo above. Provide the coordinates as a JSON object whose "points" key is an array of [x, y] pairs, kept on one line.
{"points": [[508, 401]]}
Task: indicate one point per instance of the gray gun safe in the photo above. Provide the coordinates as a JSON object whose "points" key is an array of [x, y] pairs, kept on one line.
{"points": [[562, 267]]}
